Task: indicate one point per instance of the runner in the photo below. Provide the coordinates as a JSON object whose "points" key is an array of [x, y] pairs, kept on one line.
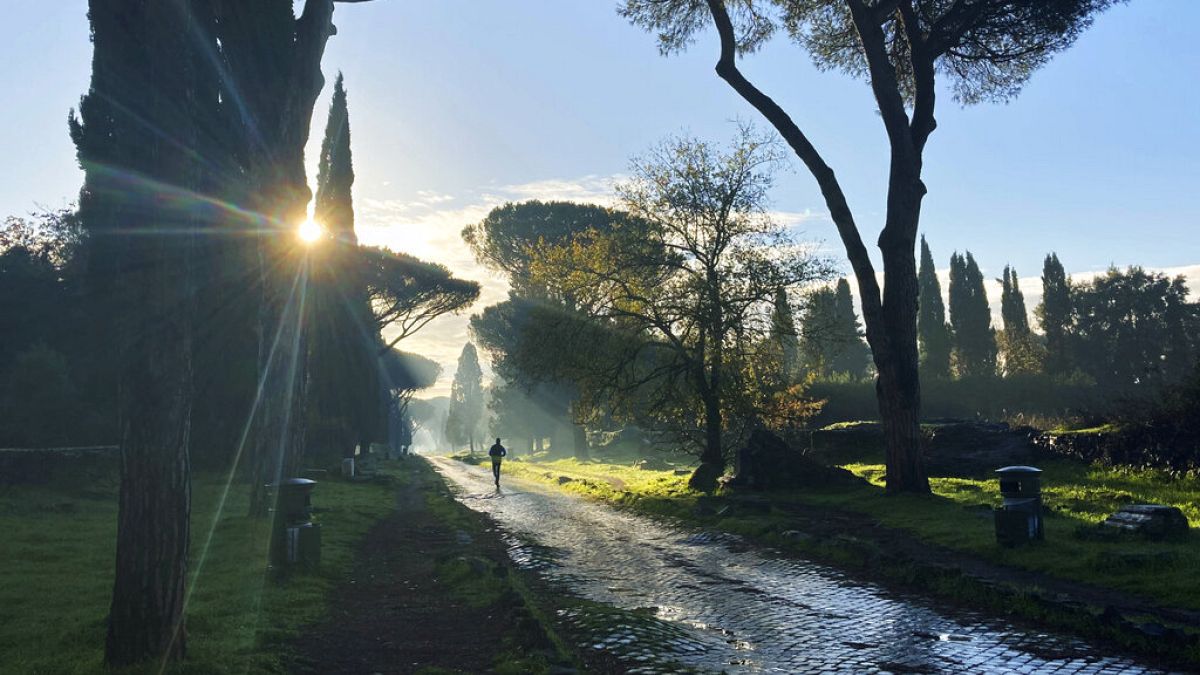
{"points": [[497, 453]]}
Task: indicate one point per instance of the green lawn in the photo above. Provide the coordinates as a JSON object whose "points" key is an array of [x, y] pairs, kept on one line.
{"points": [[56, 565], [1078, 497]]}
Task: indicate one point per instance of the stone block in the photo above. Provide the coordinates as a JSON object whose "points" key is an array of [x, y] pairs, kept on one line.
{"points": [[1154, 521]]}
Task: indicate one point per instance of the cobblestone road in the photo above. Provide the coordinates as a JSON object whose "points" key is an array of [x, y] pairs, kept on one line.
{"points": [[668, 598]]}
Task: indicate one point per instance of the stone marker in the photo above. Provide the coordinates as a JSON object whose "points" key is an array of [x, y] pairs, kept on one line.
{"points": [[1155, 521]]}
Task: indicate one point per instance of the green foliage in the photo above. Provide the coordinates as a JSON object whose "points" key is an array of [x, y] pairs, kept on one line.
{"points": [[683, 295], [41, 403], [507, 238], [832, 344], [407, 372], [406, 293], [933, 333], [1056, 315], [1020, 349], [1134, 329], [987, 50], [971, 318], [466, 399], [335, 170], [1033, 399], [784, 340], [344, 389]]}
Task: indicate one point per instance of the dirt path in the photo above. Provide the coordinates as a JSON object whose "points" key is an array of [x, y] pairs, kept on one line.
{"points": [[419, 597], [711, 602]]}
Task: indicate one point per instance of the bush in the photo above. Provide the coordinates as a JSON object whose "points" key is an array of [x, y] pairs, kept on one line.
{"points": [[40, 402], [1023, 399]]}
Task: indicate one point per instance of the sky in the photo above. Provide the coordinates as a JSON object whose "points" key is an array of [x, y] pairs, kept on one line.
{"points": [[458, 106]]}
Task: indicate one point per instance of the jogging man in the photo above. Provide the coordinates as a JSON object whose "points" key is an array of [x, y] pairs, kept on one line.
{"points": [[497, 453]]}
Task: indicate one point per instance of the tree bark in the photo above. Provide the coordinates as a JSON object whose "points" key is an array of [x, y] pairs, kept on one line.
{"points": [[274, 65], [712, 457], [141, 79], [581, 442], [890, 316]]}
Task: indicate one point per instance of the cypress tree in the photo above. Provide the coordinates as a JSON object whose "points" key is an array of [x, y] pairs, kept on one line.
{"points": [[466, 398], [1056, 315], [345, 386], [784, 337], [335, 170], [932, 331], [970, 316], [852, 355], [1012, 305], [831, 340], [1022, 353]]}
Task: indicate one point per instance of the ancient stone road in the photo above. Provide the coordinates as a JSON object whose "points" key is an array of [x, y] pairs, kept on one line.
{"points": [[707, 602]]}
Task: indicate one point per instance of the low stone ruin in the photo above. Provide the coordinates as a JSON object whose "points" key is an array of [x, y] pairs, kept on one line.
{"points": [[767, 462], [1153, 521]]}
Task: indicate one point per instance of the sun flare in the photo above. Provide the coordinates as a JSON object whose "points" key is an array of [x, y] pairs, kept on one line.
{"points": [[310, 231]]}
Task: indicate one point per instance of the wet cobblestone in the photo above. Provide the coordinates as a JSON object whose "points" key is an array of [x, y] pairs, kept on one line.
{"points": [[681, 601]]}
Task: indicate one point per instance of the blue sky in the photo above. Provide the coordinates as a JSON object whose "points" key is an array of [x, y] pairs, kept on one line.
{"points": [[458, 105]]}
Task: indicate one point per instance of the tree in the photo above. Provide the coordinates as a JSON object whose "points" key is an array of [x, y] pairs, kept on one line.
{"points": [[854, 356], [466, 399], [532, 356], [403, 374], [142, 80], [345, 395], [1056, 313], [264, 65], [688, 288], [831, 344], [933, 333], [971, 319], [987, 49], [38, 396], [784, 339], [1022, 354], [507, 240], [196, 117], [1135, 329], [406, 293]]}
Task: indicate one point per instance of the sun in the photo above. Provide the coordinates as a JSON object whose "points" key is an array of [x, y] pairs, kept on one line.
{"points": [[310, 232]]}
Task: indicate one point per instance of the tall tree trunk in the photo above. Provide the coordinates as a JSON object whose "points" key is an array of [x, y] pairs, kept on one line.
{"points": [[898, 385], [146, 617], [712, 458], [898, 382], [274, 70], [581, 442], [141, 81], [887, 315]]}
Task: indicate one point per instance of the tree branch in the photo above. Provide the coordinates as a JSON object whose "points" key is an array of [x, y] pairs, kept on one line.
{"points": [[835, 199]]}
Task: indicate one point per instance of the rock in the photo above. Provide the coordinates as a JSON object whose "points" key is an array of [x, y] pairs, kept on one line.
{"points": [[563, 480], [796, 535], [965, 448], [767, 462], [653, 464], [1153, 521]]}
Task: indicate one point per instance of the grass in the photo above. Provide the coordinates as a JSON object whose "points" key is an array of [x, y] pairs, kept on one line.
{"points": [[1078, 497], [957, 515], [58, 552]]}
